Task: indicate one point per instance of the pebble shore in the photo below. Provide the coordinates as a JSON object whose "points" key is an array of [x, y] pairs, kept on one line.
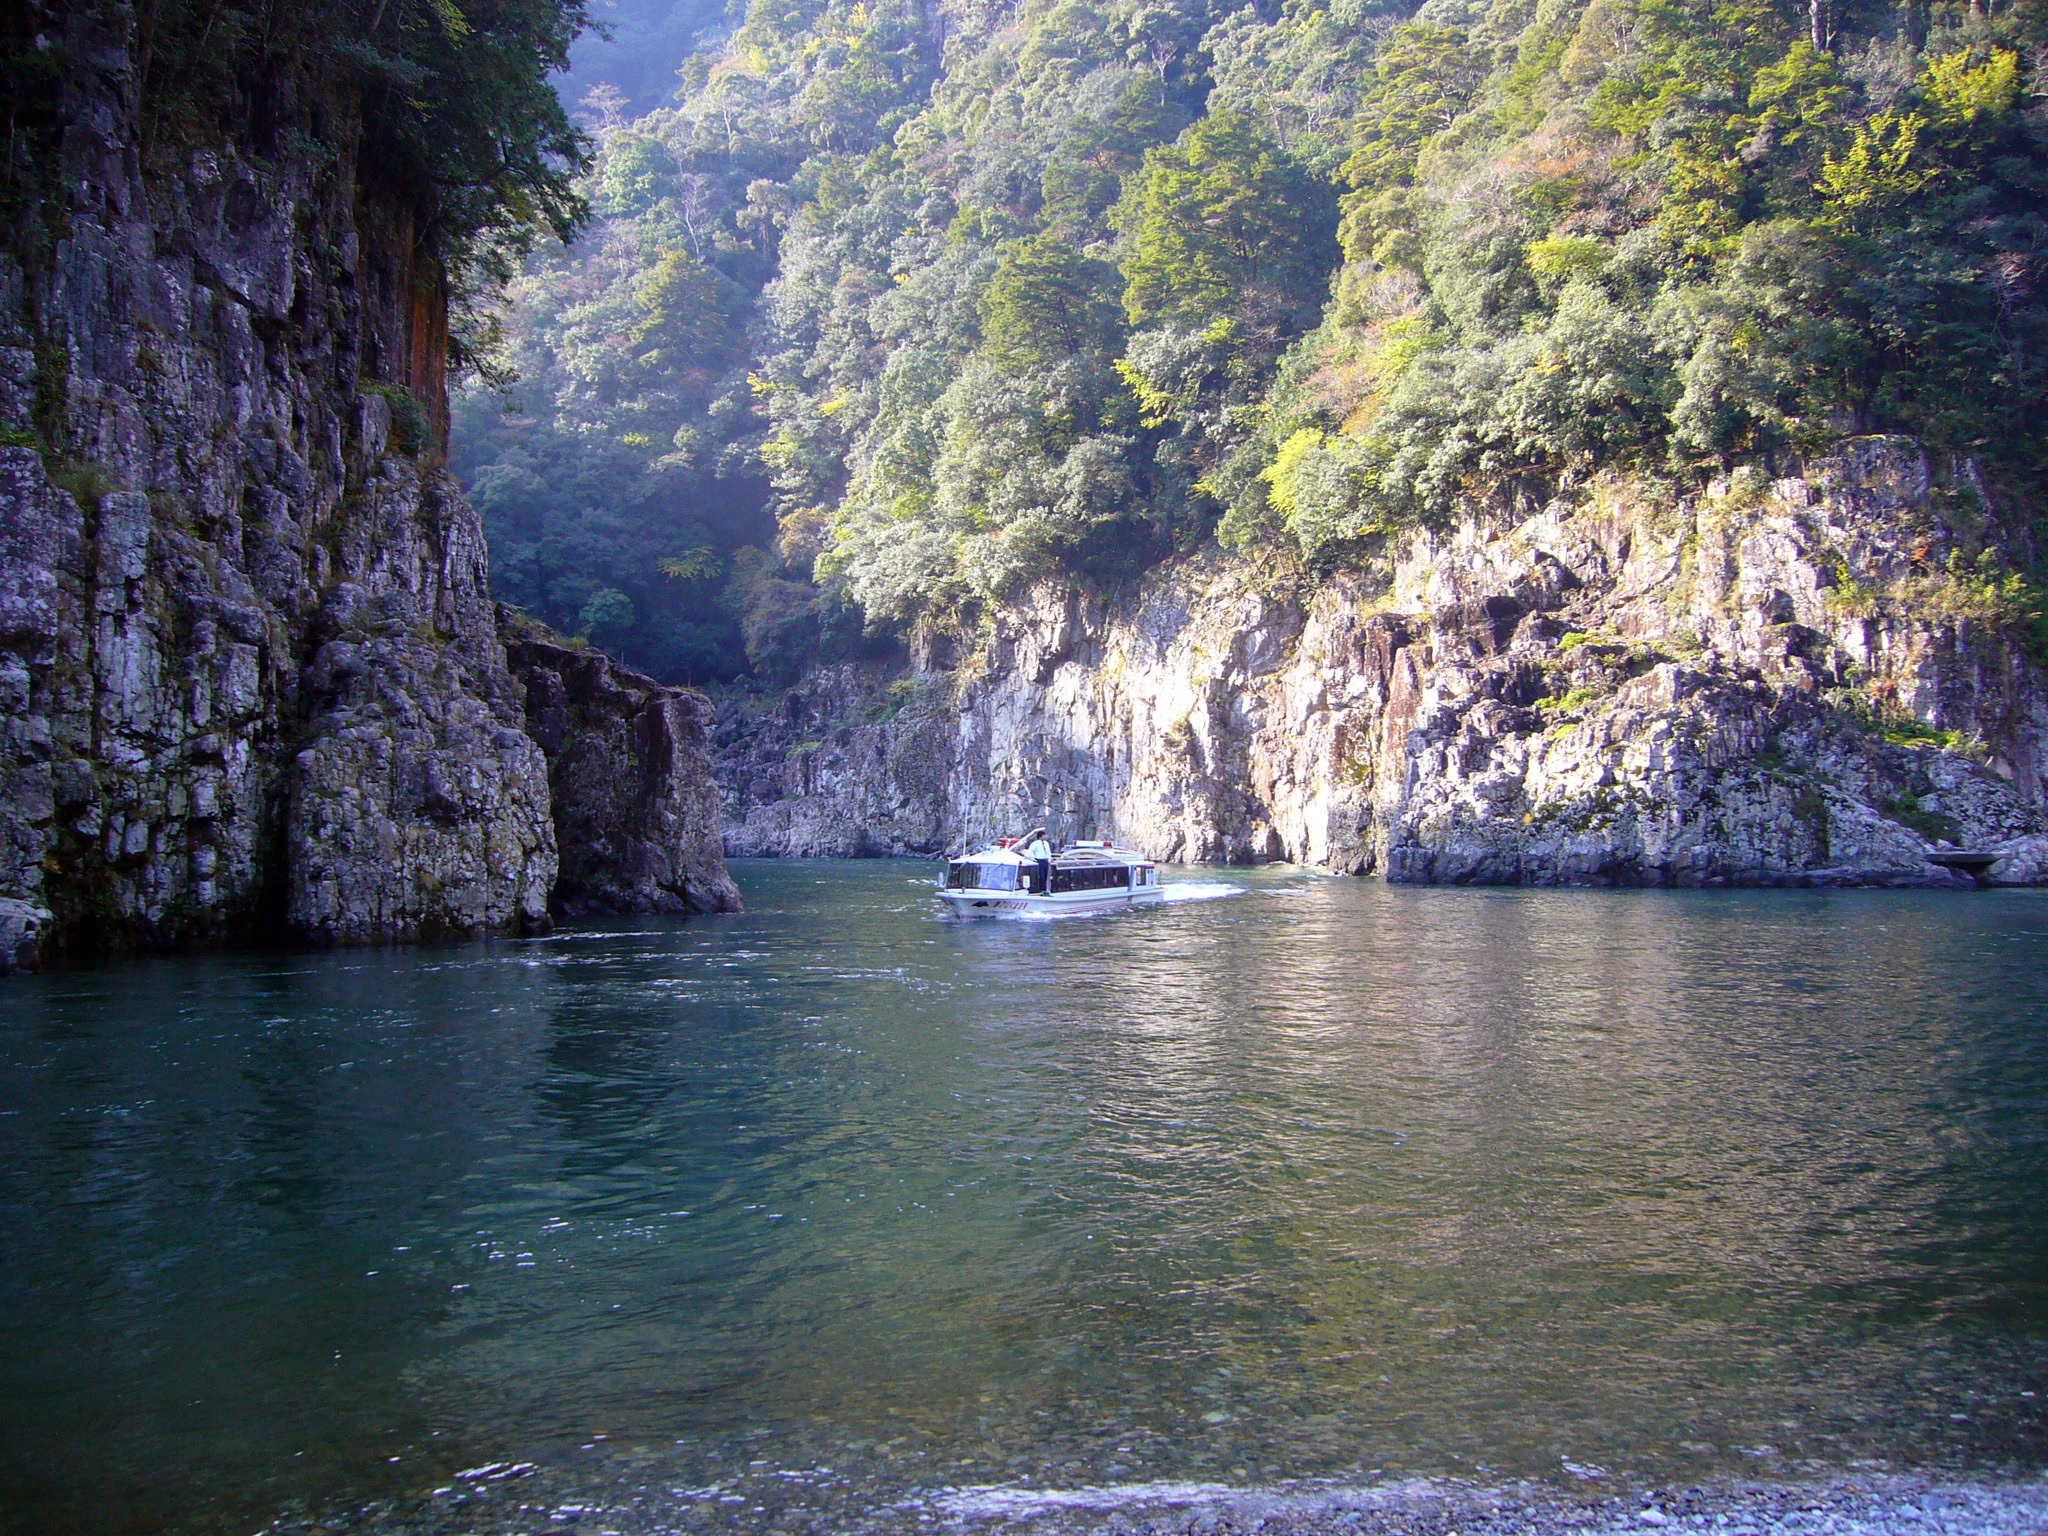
{"points": [[514, 1499], [1852, 1506]]}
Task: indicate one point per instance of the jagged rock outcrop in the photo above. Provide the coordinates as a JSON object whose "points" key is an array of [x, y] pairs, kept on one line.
{"points": [[857, 761], [1806, 681], [636, 816], [251, 681]]}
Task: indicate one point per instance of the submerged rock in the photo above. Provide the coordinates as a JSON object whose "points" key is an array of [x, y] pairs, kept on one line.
{"points": [[1794, 683]]}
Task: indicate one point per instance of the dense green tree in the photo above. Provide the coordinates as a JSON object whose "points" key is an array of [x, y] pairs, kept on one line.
{"points": [[1302, 75], [1047, 302], [1084, 176], [888, 330], [1223, 222], [1671, 234], [607, 614], [1422, 80], [686, 316]]}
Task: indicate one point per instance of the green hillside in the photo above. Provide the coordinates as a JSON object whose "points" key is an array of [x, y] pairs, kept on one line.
{"points": [[894, 307]]}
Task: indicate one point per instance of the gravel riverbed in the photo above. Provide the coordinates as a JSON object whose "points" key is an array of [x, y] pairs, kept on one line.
{"points": [[499, 1501]]}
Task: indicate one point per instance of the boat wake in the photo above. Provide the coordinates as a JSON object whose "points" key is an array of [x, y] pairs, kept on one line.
{"points": [[1199, 890]]}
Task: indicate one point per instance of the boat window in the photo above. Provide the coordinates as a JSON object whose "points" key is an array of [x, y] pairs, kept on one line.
{"points": [[964, 874], [1099, 877]]}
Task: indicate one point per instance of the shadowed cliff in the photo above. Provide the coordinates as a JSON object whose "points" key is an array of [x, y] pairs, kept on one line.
{"points": [[251, 678]]}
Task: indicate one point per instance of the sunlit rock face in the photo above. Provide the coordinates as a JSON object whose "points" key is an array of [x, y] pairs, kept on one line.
{"points": [[251, 681], [1767, 683]]}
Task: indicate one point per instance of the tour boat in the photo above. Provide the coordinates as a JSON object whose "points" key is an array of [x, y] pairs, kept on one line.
{"points": [[1086, 877]]}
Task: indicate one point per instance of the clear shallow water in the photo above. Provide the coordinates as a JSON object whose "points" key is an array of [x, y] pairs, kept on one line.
{"points": [[760, 1221]]}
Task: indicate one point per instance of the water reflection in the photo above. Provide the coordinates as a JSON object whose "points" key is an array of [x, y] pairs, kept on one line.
{"points": [[1324, 1176]]}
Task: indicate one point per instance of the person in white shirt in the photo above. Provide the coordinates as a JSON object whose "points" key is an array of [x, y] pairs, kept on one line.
{"points": [[1038, 848]]}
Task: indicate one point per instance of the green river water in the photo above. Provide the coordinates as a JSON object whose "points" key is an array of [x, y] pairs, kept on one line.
{"points": [[770, 1222]]}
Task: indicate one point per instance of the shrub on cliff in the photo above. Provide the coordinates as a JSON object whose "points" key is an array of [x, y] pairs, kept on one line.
{"points": [[458, 121]]}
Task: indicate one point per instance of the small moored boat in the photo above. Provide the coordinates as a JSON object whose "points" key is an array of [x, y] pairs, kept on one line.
{"points": [[1082, 877]]}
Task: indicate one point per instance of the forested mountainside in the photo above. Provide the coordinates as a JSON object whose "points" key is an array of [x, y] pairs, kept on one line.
{"points": [[896, 309], [252, 681], [625, 62]]}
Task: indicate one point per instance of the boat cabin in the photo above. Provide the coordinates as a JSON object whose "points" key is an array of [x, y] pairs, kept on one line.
{"points": [[1083, 873]]}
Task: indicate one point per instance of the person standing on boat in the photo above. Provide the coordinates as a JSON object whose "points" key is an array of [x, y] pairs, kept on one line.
{"points": [[1038, 848]]}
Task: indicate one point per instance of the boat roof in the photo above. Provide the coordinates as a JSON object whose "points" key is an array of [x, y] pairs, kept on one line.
{"points": [[1092, 852], [1099, 853]]}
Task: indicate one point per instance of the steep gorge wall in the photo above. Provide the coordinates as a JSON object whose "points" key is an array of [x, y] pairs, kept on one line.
{"points": [[1806, 681], [251, 678]]}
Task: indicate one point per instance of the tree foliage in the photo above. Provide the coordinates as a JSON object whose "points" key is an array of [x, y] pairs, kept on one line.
{"points": [[1220, 222], [891, 315], [1046, 302], [458, 119], [1671, 234]]}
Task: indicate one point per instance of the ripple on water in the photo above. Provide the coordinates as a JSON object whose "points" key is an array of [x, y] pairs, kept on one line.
{"points": [[1299, 1197]]}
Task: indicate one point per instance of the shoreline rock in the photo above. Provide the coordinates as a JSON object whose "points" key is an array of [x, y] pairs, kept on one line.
{"points": [[1882, 1505], [1843, 1504], [635, 812]]}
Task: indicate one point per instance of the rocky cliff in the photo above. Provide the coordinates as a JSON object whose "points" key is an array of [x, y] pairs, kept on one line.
{"points": [[251, 681], [1818, 679], [636, 816]]}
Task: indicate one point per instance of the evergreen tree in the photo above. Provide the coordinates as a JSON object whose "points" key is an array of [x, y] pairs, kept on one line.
{"points": [[1046, 303], [1223, 223]]}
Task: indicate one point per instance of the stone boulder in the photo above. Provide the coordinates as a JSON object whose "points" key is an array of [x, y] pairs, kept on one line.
{"points": [[23, 927]]}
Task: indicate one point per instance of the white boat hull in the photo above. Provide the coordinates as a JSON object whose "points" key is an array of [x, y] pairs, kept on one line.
{"points": [[975, 903]]}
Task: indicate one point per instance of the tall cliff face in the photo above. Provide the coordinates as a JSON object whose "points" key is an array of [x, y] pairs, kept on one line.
{"points": [[1791, 682], [251, 680]]}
